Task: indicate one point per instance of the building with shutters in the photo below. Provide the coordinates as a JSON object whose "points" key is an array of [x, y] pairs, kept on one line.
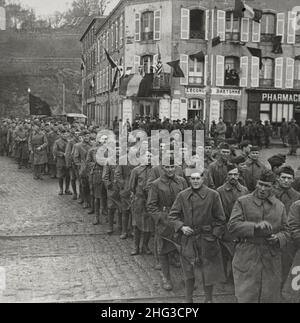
{"points": [[224, 80]]}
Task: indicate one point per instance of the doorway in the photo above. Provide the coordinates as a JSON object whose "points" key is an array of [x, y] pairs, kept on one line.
{"points": [[230, 111]]}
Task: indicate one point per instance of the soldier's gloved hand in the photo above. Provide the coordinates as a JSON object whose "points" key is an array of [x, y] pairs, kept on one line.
{"points": [[263, 229], [274, 240], [187, 231]]}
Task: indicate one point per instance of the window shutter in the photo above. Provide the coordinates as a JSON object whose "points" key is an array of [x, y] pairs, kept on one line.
{"points": [[100, 81], [245, 23], [278, 72], [221, 25], [185, 23], [137, 26], [289, 81], [255, 72], [280, 25], [157, 24], [244, 71], [213, 24], [256, 31], [220, 70], [206, 24], [184, 64], [107, 82], [117, 34], [291, 37], [205, 69], [212, 72], [137, 63]]}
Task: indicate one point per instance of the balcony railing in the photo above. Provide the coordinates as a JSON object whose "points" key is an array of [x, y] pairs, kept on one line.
{"points": [[196, 80], [197, 34], [161, 82], [297, 84], [266, 82], [267, 37], [147, 36], [233, 36], [231, 78]]}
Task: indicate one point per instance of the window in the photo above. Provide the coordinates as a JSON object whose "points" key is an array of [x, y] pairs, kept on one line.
{"points": [[267, 26], [147, 63], [232, 65], [232, 26], [197, 24], [196, 71], [267, 72], [280, 111], [147, 22]]}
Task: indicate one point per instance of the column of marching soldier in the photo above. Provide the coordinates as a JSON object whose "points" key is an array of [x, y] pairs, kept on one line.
{"points": [[235, 219]]}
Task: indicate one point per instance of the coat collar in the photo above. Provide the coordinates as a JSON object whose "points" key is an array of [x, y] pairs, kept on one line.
{"points": [[229, 187], [165, 179], [203, 192], [271, 200]]}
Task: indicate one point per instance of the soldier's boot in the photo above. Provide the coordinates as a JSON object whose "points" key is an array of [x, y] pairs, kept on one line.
{"points": [[67, 192], [74, 189], [145, 248], [137, 242], [97, 212], [111, 215], [208, 292], [189, 290], [61, 186], [125, 219], [92, 211], [166, 277]]}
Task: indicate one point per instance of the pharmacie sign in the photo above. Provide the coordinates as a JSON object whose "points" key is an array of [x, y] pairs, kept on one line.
{"points": [[284, 97]]}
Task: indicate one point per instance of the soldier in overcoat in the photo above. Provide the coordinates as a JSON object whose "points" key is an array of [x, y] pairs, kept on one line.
{"points": [[259, 221], [198, 216]]}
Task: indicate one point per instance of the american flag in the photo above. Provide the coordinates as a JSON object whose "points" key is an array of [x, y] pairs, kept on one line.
{"points": [[159, 65]]}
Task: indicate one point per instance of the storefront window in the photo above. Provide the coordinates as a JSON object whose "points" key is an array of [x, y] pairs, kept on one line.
{"points": [[230, 111], [196, 108], [280, 111]]}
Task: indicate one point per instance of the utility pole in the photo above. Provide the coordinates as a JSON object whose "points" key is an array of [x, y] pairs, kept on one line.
{"points": [[209, 65]]}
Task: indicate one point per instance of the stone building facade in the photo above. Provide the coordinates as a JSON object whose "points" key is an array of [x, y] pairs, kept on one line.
{"points": [[221, 81]]}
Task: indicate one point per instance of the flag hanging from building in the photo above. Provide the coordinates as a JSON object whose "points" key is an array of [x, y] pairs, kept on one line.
{"points": [[177, 71], [277, 47], [146, 86], [159, 66], [239, 9], [257, 53], [112, 63], [38, 107], [216, 41], [242, 10]]}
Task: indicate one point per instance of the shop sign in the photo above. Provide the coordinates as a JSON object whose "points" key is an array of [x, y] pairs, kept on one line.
{"points": [[280, 97], [226, 92], [195, 91]]}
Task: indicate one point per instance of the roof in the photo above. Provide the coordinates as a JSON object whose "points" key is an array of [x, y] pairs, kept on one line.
{"points": [[95, 20]]}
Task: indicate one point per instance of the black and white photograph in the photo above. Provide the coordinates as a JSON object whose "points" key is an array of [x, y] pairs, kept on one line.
{"points": [[149, 154]]}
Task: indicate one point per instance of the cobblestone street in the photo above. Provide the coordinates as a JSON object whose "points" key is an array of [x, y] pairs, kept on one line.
{"points": [[52, 253]]}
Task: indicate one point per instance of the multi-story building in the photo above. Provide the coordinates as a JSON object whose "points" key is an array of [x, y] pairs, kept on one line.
{"points": [[88, 46], [220, 81]]}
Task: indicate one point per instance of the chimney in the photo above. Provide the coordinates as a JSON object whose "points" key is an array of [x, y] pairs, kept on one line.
{"points": [[2, 18]]}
